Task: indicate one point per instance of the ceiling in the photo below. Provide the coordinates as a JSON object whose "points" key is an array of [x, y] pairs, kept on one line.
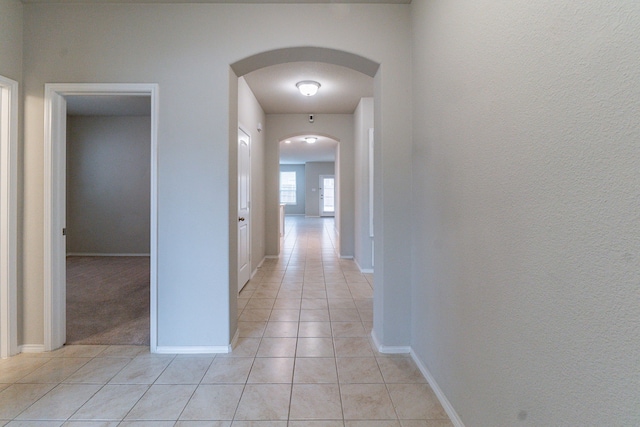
{"points": [[220, 1], [298, 151], [340, 92]]}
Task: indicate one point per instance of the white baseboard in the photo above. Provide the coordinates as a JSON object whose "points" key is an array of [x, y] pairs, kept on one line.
{"points": [[234, 341], [271, 257], [102, 254], [31, 348], [194, 349], [256, 270], [363, 270], [346, 256], [453, 415], [199, 349], [389, 349]]}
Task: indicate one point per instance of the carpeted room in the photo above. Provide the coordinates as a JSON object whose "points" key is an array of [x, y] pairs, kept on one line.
{"points": [[108, 166]]}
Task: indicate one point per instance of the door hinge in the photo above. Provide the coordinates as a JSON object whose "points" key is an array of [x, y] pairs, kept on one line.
{"points": [[64, 231]]}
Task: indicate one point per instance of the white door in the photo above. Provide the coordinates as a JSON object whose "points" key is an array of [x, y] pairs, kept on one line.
{"points": [[244, 215], [55, 239], [327, 195]]}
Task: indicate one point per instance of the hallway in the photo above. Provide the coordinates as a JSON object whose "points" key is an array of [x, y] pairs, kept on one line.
{"points": [[303, 358]]}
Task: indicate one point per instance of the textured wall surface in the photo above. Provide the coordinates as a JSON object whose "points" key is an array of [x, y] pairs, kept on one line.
{"points": [[526, 159], [108, 187], [11, 39]]}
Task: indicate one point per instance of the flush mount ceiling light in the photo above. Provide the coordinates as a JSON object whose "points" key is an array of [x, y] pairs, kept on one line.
{"points": [[287, 142], [311, 139], [308, 87]]}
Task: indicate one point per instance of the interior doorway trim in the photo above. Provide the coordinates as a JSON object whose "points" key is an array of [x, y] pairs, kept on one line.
{"points": [[54, 200], [8, 216]]}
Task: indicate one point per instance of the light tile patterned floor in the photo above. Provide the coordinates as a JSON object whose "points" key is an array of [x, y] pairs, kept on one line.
{"points": [[304, 359]]}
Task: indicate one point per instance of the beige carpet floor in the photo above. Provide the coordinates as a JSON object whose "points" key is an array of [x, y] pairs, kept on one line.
{"points": [[107, 300]]}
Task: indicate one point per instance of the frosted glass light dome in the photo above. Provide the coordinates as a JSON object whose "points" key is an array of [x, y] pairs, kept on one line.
{"points": [[308, 87]]}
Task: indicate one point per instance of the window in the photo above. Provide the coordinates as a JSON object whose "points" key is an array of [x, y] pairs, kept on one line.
{"points": [[288, 188]]}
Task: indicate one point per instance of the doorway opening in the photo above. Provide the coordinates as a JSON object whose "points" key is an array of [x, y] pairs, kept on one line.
{"points": [[302, 168], [59, 99], [107, 220], [287, 117]]}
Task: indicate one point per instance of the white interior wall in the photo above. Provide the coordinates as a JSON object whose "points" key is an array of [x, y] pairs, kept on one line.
{"points": [[526, 227], [189, 58], [108, 184], [363, 121], [392, 226], [250, 118], [229, 293]]}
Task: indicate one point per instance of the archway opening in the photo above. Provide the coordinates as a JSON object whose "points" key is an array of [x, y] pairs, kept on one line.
{"points": [[309, 122]]}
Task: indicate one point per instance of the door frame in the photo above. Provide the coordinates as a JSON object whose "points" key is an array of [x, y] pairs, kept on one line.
{"points": [[55, 112], [8, 216], [242, 129]]}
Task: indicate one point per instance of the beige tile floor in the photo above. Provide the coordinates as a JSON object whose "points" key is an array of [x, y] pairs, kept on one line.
{"points": [[303, 359]]}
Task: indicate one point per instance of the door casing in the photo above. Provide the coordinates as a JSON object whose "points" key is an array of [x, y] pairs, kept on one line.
{"points": [[244, 209], [8, 216], [54, 201]]}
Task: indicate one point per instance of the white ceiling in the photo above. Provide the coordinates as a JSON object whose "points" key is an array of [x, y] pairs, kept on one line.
{"points": [[298, 151], [220, 1], [340, 91]]}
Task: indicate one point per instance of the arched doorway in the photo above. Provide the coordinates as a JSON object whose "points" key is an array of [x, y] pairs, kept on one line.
{"points": [[314, 160], [345, 163]]}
